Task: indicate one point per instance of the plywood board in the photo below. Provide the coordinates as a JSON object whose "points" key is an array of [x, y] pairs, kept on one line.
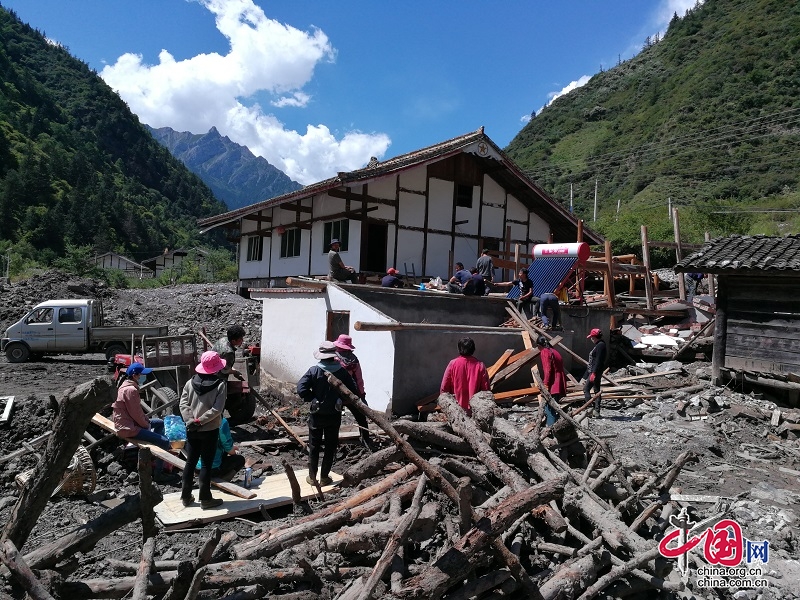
{"points": [[270, 492]]}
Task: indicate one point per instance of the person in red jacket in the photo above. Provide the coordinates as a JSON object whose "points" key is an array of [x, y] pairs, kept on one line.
{"points": [[348, 360], [553, 376], [465, 376]]}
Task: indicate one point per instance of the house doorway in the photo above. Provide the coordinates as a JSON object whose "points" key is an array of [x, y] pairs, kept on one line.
{"points": [[373, 248]]}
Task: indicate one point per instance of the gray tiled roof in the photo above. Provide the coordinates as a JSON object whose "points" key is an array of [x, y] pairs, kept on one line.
{"points": [[740, 253]]}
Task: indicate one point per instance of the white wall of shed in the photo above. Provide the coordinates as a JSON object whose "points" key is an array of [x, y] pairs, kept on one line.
{"points": [[293, 325]]}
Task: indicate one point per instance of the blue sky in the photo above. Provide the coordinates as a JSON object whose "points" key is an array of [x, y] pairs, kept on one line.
{"points": [[318, 87]]}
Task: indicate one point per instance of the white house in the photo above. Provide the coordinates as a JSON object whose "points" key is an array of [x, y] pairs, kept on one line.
{"points": [[423, 210], [173, 259], [131, 268]]}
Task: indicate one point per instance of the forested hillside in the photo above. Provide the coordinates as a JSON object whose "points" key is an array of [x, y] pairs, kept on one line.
{"points": [[77, 167], [707, 117]]}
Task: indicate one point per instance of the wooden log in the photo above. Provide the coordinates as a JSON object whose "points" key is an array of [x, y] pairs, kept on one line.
{"points": [[395, 542], [262, 546], [616, 573], [221, 549], [471, 433], [667, 477], [75, 410], [455, 564], [149, 494], [573, 576], [354, 402], [596, 511], [370, 466], [479, 586], [86, 536], [280, 420], [297, 498], [145, 569], [27, 447], [430, 434], [10, 557]]}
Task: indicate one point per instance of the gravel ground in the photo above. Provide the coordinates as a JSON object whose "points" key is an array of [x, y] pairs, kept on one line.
{"points": [[646, 437]]}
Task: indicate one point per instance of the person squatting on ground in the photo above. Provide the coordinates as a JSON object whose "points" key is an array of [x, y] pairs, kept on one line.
{"points": [[594, 369], [337, 270], [226, 348], [326, 410], [351, 364], [553, 376], [465, 375], [549, 302], [227, 460], [202, 404]]}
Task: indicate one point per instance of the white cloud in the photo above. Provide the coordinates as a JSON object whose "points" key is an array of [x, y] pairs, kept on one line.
{"points": [[572, 85], [265, 57], [525, 118]]}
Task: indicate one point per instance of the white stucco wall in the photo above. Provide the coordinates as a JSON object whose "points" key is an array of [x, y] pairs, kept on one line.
{"points": [[293, 325], [466, 251], [409, 250], [539, 229], [440, 212], [438, 256], [412, 209]]}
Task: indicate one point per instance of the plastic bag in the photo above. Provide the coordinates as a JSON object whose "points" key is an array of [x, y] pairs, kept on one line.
{"points": [[174, 428]]}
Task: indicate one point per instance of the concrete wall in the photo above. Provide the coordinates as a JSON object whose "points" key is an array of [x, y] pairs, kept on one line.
{"points": [[411, 306], [421, 357], [581, 320]]}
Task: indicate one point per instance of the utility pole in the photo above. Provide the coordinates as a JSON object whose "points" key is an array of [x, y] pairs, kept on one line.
{"points": [[669, 209], [595, 200], [618, 202]]}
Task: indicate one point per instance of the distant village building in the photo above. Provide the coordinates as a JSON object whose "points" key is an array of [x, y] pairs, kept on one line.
{"points": [[417, 212], [112, 260], [173, 260], [757, 329]]}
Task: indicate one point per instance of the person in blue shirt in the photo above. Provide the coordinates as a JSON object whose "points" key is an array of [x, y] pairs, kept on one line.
{"points": [[227, 460], [461, 281], [392, 279]]}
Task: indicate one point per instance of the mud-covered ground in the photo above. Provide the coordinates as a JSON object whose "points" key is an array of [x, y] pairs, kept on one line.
{"points": [[742, 465]]}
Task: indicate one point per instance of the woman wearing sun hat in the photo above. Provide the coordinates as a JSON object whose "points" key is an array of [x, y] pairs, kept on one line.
{"points": [[202, 403], [346, 358]]}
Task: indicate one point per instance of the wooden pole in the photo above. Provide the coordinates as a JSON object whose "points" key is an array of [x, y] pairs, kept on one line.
{"points": [[75, 411], [364, 326], [507, 252], [678, 252], [648, 280], [711, 282], [10, 557], [609, 277], [720, 331]]}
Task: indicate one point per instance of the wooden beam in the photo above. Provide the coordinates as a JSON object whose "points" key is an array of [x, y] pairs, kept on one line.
{"points": [[296, 207], [368, 326], [306, 283], [349, 195]]}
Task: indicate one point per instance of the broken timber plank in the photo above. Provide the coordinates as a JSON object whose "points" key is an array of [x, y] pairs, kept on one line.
{"points": [[167, 457], [514, 393], [501, 362], [9, 402], [523, 358], [646, 375]]}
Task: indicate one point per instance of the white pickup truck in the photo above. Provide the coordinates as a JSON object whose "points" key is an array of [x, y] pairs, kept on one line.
{"points": [[69, 327]]}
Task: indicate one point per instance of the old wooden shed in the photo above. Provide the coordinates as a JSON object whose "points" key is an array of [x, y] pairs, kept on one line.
{"points": [[757, 331]]}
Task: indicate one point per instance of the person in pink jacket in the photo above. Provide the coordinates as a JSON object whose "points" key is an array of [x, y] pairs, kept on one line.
{"points": [[348, 360], [465, 376], [553, 376], [129, 418]]}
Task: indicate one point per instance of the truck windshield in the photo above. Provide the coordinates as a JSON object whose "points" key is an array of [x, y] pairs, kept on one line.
{"points": [[40, 315]]}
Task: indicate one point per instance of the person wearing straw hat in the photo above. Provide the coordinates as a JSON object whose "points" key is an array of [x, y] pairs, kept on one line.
{"points": [[346, 358], [202, 404], [594, 369], [326, 410]]}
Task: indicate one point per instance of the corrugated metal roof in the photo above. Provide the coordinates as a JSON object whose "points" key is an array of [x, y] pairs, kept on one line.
{"points": [[546, 274], [740, 253]]}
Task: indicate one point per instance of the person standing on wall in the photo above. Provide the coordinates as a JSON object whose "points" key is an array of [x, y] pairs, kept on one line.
{"points": [[485, 268], [594, 369], [202, 403], [337, 270], [351, 364], [326, 410], [553, 376], [226, 348], [465, 375]]}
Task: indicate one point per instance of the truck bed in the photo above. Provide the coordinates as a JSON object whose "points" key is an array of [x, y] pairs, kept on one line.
{"points": [[109, 333]]}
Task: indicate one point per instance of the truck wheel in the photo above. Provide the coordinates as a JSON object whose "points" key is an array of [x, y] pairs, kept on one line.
{"points": [[114, 349], [17, 352], [165, 395], [241, 409]]}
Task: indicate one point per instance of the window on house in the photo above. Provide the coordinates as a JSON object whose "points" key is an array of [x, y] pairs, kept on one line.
{"points": [[290, 243], [464, 195], [336, 230], [255, 248]]}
